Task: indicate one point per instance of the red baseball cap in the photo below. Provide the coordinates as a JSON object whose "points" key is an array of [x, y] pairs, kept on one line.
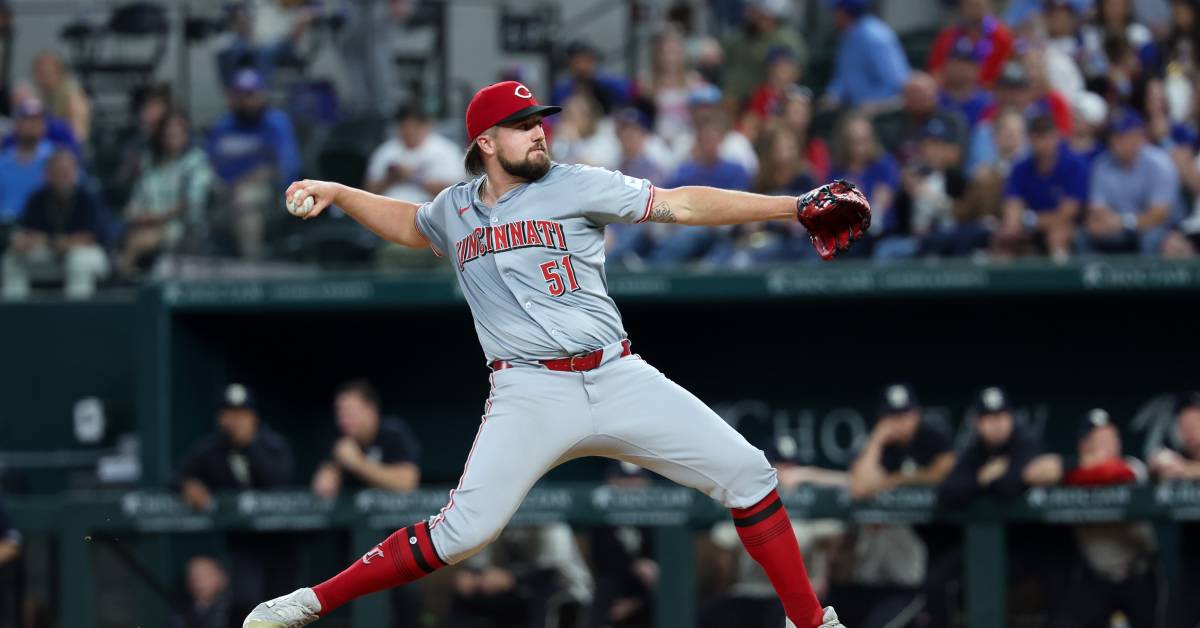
{"points": [[501, 103]]}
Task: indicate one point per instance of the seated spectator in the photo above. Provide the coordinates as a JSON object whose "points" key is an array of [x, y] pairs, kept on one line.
{"points": [[208, 595], [903, 449], [10, 551], [416, 163], [768, 98], [1116, 573], [1087, 136], [151, 106], [998, 145], [584, 135], [860, 159], [58, 131], [1124, 81], [243, 51], [643, 155], [1023, 86], [1133, 192], [870, 68], [169, 198], [22, 164], [610, 91], [960, 89], [902, 130], [1115, 20], [784, 172], [978, 23], [62, 94], [748, 53], [60, 235], [372, 451], [796, 118], [705, 102], [1014, 92], [245, 454], [253, 150], [1065, 34], [1051, 94], [928, 217], [1002, 460], [528, 578], [706, 167], [1044, 196], [670, 81]]}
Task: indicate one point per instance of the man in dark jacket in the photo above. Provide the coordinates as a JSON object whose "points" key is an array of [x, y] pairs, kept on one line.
{"points": [[1001, 461], [244, 454]]}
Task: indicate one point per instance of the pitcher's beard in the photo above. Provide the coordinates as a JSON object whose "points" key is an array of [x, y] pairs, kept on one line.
{"points": [[532, 168]]}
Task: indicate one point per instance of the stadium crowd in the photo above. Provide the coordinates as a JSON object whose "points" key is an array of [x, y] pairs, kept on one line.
{"points": [[1055, 128]]}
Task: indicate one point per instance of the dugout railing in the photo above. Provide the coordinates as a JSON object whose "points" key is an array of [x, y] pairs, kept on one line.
{"points": [[79, 522]]}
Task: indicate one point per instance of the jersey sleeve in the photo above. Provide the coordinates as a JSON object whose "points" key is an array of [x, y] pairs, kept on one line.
{"points": [[431, 221], [612, 196]]}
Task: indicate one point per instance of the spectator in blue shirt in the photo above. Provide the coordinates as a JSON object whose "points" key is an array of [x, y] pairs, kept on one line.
{"points": [[58, 131], [60, 235], [860, 159], [253, 150], [643, 156], [705, 167], [1044, 195], [960, 90], [1133, 192], [609, 90], [870, 67], [22, 163]]}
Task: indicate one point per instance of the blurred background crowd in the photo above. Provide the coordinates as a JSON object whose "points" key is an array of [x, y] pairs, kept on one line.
{"points": [[1050, 128], [883, 574], [990, 131]]}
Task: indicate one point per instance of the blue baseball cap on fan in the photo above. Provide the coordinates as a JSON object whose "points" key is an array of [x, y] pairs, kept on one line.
{"points": [[1128, 120], [853, 7]]}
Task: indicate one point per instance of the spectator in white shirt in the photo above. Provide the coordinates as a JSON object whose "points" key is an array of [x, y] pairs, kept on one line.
{"points": [[417, 163]]}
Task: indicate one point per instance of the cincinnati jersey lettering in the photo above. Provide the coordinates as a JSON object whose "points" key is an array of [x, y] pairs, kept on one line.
{"points": [[519, 234]]}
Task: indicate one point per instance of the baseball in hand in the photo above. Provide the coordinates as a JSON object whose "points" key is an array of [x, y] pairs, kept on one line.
{"points": [[303, 207]]}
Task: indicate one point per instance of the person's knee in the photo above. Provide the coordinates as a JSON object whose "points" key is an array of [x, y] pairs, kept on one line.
{"points": [[458, 542], [755, 479], [86, 261]]}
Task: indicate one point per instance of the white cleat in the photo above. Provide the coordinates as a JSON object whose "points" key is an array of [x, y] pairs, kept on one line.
{"points": [[296, 609], [828, 620]]}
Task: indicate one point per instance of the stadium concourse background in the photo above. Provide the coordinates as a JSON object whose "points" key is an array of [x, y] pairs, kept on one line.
{"points": [[190, 277]]}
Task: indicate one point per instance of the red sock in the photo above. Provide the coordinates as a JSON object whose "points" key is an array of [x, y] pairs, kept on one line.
{"points": [[403, 557], [766, 532]]}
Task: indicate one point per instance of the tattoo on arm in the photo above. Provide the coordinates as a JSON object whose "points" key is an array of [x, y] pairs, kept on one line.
{"points": [[661, 212]]}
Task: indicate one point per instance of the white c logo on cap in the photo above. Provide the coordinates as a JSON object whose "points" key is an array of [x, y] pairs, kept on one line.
{"points": [[522, 92]]}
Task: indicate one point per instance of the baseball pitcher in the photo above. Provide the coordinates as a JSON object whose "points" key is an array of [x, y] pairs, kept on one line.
{"points": [[526, 238]]}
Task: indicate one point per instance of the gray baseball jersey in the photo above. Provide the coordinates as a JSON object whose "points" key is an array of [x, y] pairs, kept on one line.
{"points": [[532, 270], [532, 267]]}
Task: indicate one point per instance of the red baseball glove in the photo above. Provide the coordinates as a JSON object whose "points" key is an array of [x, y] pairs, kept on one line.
{"points": [[835, 215]]}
